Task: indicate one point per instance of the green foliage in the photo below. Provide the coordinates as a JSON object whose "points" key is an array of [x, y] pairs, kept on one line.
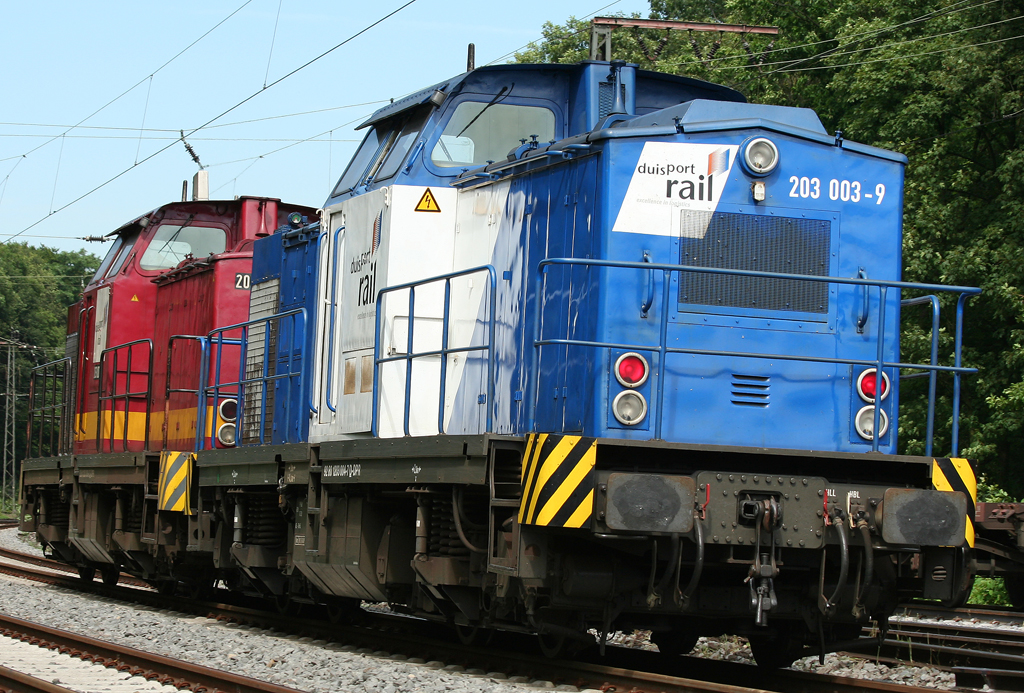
{"points": [[941, 81], [992, 493], [989, 592], [36, 287]]}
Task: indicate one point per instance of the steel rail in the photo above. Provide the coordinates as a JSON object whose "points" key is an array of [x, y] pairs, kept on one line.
{"points": [[151, 666], [12, 681]]}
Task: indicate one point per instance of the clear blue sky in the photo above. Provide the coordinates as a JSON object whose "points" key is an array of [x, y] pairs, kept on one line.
{"points": [[64, 60]]}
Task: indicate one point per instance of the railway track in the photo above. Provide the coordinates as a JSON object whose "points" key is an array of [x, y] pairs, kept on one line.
{"points": [[136, 662], [965, 641], [507, 655], [12, 681]]}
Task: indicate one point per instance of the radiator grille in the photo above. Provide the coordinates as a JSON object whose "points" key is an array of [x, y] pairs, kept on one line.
{"points": [[726, 240], [263, 303]]}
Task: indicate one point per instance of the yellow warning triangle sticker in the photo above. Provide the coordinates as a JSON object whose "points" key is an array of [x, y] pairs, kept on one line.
{"points": [[135, 298], [427, 203]]}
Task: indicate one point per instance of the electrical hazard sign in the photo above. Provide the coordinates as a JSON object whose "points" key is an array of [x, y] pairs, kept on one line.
{"points": [[427, 203], [135, 298]]}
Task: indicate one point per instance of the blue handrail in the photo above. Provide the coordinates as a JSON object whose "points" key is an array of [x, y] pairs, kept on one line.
{"points": [[218, 341], [443, 352], [932, 374], [663, 349]]}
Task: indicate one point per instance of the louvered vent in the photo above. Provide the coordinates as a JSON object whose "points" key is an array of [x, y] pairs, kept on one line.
{"points": [[257, 416], [606, 97], [750, 390], [725, 240]]}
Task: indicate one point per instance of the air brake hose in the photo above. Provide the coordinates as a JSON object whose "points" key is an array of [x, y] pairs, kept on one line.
{"points": [[458, 523], [673, 563], [844, 558], [698, 564], [869, 563]]}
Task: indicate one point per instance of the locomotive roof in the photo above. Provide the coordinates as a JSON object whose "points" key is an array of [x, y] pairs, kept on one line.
{"points": [[467, 79], [137, 221]]}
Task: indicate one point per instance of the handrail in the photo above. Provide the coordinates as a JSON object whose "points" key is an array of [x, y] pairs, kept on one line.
{"points": [[333, 305], [932, 375], [218, 341], [55, 376], [198, 392], [127, 395], [443, 352], [80, 359], [663, 349]]}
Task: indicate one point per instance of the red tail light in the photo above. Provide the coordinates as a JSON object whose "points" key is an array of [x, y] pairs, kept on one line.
{"points": [[867, 385], [631, 369]]}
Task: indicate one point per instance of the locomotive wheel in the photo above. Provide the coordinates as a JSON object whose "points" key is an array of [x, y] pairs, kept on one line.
{"points": [[673, 643], [110, 574], [1015, 589], [167, 587], [552, 645], [474, 635], [776, 650], [87, 572], [344, 611]]}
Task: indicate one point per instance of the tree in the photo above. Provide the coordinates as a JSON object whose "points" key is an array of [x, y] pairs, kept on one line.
{"points": [[941, 81], [36, 287]]}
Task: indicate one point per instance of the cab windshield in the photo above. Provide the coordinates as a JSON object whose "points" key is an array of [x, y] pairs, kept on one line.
{"points": [[173, 243], [479, 132]]}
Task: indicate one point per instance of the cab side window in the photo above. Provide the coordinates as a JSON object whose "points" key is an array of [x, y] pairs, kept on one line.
{"points": [[383, 151]]}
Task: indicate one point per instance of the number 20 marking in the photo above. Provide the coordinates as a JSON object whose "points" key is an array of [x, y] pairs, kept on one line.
{"points": [[805, 187], [243, 281]]}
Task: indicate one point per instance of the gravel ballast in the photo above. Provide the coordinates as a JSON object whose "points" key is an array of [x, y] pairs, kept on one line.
{"points": [[317, 666]]}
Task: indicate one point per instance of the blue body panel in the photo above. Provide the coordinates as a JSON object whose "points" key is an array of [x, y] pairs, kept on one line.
{"points": [[657, 179], [291, 256]]}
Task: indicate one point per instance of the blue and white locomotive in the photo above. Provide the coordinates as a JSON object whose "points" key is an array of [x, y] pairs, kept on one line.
{"points": [[584, 346]]}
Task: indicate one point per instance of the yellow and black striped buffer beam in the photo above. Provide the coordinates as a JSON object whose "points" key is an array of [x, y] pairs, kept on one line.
{"points": [[175, 481], [558, 480], [957, 474]]}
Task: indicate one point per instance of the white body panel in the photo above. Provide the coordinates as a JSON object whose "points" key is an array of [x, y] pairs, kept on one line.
{"points": [[410, 246]]}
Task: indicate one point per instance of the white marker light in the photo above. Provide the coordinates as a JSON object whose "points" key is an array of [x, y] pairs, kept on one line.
{"points": [[629, 407], [864, 422], [759, 189], [226, 435]]}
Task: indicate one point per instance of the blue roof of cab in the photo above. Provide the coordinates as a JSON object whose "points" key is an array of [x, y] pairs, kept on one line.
{"points": [[646, 81]]}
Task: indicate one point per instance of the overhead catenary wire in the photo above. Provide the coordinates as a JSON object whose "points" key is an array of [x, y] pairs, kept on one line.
{"points": [[903, 57], [531, 43], [935, 14], [217, 117], [133, 87], [174, 130]]}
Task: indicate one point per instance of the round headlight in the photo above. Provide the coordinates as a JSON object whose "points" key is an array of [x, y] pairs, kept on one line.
{"points": [[865, 422], [228, 409], [629, 407], [760, 156], [226, 435]]}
